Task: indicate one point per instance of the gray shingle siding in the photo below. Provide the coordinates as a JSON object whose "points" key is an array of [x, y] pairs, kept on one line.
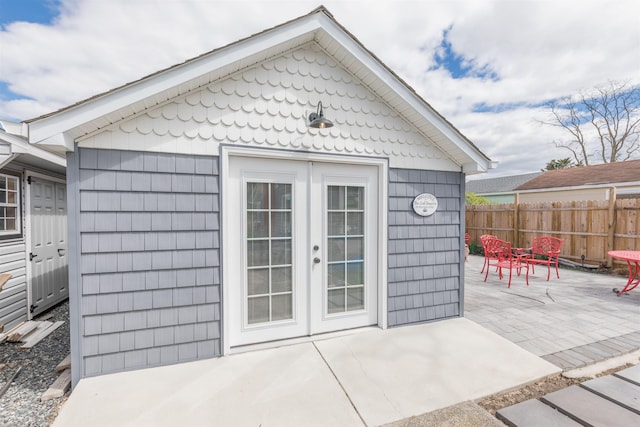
{"points": [[150, 261], [424, 281]]}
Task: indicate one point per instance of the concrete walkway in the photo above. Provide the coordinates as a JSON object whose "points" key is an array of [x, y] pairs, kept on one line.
{"points": [[369, 378], [572, 322]]}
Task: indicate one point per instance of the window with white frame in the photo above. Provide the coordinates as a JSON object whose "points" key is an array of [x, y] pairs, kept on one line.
{"points": [[9, 205]]}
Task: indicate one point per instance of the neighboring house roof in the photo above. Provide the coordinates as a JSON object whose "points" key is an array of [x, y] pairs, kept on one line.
{"points": [[16, 148], [61, 128], [503, 184], [607, 173]]}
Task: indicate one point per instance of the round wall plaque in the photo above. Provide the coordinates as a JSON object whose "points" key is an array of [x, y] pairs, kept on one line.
{"points": [[425, 204]]}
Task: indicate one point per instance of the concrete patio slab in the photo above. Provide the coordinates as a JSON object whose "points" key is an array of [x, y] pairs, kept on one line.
{"points": [[376, 377], [403, 372], [287, 386]]}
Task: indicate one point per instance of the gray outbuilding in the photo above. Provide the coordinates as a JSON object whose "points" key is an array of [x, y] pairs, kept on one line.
{"points": [[208, 215], [33, 228]]}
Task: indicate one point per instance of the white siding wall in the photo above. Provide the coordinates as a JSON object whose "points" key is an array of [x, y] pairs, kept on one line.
{"points": [[13, 297], [268, 106]]}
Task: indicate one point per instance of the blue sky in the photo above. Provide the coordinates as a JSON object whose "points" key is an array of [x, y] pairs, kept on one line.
{"points": [[38, 11], [458, 65], [488, 66]]}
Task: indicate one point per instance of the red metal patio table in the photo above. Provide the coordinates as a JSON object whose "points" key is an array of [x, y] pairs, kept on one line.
{"points": [[633, 262]]}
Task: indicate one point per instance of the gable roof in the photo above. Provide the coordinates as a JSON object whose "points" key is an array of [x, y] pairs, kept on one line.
{"points": [[607, 173], [60, 129], [503, 184]]}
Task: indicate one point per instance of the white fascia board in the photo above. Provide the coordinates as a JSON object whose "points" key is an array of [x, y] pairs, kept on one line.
{"points": [[14, 128], [5, 159], [44, 129], [381, 72], [20, 146], [474, 168]]}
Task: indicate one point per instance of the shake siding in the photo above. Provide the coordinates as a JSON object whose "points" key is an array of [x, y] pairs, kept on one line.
{"points": [[13, 297], [424, 252], [150, 261]]}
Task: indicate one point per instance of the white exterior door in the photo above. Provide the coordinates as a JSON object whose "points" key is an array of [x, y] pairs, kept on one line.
{"points": [[48, 244], [306, 248]]}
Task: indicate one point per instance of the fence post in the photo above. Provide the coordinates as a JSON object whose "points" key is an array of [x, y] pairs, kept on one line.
{"points": [[516, 220], [611, 226]]}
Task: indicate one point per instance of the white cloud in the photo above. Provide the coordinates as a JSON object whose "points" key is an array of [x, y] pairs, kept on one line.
{"points": [[540, 49]]}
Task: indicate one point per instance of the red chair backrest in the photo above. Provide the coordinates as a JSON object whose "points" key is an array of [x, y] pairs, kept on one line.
{"points": [[491, 245], [546, 245]]}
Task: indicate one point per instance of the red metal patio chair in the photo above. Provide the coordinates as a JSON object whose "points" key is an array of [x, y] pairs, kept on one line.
{"points": [[548, 247], [506, 258], [487, 255]]}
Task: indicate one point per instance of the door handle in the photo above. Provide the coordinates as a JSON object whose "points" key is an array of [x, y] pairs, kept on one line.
{"points": [[316, 260], [60, 252]]}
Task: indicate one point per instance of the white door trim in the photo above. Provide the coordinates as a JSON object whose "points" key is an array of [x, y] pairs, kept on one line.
{"points": [[27, 227], [380, 163]]}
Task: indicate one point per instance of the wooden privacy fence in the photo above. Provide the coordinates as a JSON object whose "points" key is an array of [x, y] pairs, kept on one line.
{"points": [[589, 228]]}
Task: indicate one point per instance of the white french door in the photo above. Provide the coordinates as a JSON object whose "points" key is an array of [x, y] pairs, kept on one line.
{"points": [[303, 259]]}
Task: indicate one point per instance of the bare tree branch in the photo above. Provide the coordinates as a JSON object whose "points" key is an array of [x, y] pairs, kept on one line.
{"points": [[602, 125]]}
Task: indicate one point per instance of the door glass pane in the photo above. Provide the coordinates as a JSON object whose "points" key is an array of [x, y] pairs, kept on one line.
{"points": [[355, 298], [355, 223], [257, 195], [345, 248], [258, 281], [280, 196], [281, 307], [281, 224], [257, 253], [258, 224], [280, 252], [355, 248], [269, 239], [258, 309], [355, 273], [336, 224], [335, 198], [335, 302], [281, 279], [355, 198], [336, 275], [336, 249]]}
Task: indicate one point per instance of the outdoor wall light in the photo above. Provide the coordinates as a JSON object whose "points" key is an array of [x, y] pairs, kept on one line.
{"points": [[317, 119]]}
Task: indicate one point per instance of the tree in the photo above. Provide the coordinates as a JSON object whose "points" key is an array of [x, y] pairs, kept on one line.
{"points": [[602, 125], [565, 163], [471, 199]]}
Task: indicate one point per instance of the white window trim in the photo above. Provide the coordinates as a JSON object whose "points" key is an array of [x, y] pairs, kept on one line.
{"points": [[17, 232]]}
